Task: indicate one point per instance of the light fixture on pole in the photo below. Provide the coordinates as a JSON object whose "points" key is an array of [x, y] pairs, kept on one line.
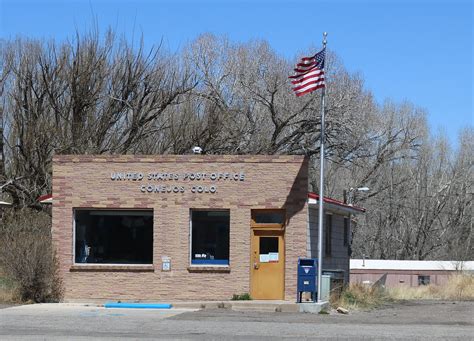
{"points": [[197, 150], [349, 197]]}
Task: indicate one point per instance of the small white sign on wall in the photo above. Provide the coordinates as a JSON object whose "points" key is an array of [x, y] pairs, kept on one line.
{"points": [[165, 263]]}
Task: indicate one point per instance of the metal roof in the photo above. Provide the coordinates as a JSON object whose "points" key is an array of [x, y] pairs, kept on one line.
{"points": [[384, 264]]}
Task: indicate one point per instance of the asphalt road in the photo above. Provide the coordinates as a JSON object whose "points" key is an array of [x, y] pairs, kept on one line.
{"points": [[428, 320]]}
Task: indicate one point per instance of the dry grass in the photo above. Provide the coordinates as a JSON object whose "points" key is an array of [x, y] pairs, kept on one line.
{"points": [[7, 290], [7, 296], [459, 287], [358, 296]]}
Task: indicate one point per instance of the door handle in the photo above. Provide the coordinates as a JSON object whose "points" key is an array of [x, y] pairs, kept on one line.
{"points": [[255, 265]]}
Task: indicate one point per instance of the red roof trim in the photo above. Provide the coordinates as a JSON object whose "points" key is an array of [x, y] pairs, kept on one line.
{"points": [[312, 195], [44, 197]]}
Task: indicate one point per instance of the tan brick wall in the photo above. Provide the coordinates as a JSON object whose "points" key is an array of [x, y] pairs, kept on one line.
{"points": [[270, 182]]}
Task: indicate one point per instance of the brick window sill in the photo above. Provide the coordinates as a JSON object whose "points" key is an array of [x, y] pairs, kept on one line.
{"points": [[111, 268], [210, 269]]}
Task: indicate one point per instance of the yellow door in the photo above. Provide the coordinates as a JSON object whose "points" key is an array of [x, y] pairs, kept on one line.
{"points": [[267, 280]]}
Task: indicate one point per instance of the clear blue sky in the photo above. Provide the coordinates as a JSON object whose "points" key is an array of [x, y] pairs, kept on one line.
{"points": [[419, 50]]}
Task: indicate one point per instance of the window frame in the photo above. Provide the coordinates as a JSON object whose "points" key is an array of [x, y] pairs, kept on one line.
{"points": [[120, 266], [422, 279], [328, 235], [346, 231], [190, 253]]}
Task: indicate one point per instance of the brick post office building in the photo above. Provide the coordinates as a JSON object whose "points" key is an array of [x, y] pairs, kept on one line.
{"points": [[190, 227]]}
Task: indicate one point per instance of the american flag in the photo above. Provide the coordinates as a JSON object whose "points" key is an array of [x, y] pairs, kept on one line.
{"points": [[309, 74]]}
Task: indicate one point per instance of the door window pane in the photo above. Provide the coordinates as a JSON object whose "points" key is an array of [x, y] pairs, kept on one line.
{"points": [[210, 237], [113, 237], [268, 244], [268, 247]]}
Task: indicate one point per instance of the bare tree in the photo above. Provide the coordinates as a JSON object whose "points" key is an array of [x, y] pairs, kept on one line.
{"points": [[96, 95], [85, 96]]}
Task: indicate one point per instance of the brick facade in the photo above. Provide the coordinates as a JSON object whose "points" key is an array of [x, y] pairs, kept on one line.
{"points": [[85, 182]]}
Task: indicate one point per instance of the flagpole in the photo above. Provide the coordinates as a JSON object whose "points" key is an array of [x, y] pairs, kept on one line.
{"points": [[321, 189]]}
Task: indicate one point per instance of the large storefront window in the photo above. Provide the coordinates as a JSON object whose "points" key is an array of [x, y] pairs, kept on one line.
{"points": [[114, 236], [210, 237]]}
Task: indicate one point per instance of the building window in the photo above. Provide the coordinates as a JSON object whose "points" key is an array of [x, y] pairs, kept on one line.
{"points": [[210, 237], [423, 280], [113, 236], [346, 231], [268, 217], [328, 235]]}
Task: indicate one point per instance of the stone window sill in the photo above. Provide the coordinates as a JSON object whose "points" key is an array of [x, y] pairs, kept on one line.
{"points": [[112, 268], [215, 269]]}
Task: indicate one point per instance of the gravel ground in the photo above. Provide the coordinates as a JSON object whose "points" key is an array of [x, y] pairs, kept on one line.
{"points": [[400, 313], [6, 305], [413, 320]]}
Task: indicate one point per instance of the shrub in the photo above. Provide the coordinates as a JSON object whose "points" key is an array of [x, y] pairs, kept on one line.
{"points": [[241, 297], [27, 257]]}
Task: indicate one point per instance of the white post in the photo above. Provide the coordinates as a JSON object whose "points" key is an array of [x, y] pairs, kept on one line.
{"points": [[321, 190]]}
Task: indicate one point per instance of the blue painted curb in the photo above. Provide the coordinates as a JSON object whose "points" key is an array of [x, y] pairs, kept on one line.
{"points": [[138, 305]]}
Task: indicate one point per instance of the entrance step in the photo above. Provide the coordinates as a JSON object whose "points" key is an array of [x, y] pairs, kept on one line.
{"points": [[285, 307], [254, 305], [313, 308]]}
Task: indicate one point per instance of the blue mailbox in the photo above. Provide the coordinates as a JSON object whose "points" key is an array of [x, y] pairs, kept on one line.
{"points": [[307, 277]]}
